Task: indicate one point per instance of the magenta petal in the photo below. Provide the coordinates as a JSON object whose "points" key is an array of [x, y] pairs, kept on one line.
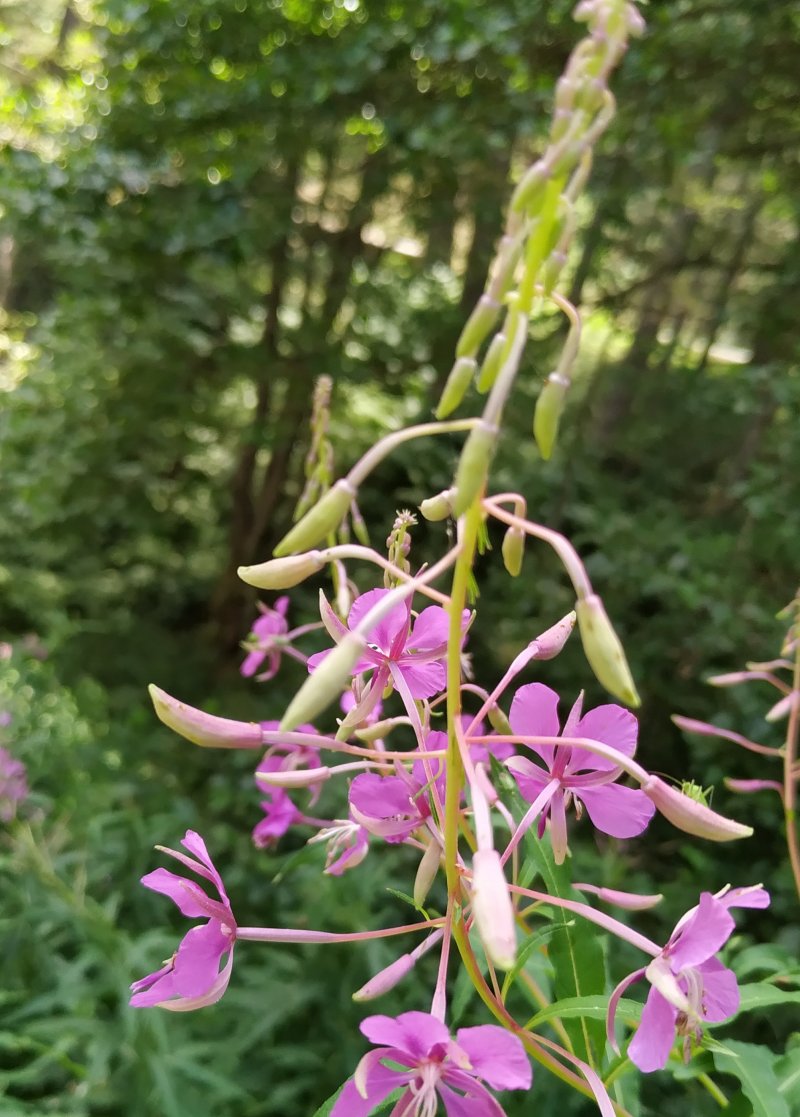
{"points": [[181, 891], [386, 631], [381, 796], [422, 679], [475, 1102], [197, 962], [534, 713], [650, 1047], [196, 846], [154, 989], [720, 991], [751, 896], [414, 1032], [380, 1084], [251, 663], [622, 812], [430, 630], [317, 658], [497, 1056], [531, 779], [707, 929], [611, 725]]}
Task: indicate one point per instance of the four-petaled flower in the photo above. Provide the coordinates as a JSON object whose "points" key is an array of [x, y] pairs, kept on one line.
{"points": [[266, 640], [192, 978], [689, 985], [576, 773], [430, 1062]]}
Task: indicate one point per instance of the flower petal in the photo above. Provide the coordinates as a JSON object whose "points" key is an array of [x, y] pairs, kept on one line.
{"points": [[476, 1101], [720, 991], [386, 631], [181, 891], [154, 988], [622, 812], [430, 630], [497, 1056], [422, 679], [413, 1032], [534, 713], [611, 725], [197, 962], [708, 928], [650, 1047]]}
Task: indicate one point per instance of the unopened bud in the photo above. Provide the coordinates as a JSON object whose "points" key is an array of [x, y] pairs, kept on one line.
{"points": [[513, 550], [492, 908], [498, 721], [631, 901], [478, 327], [206, 730], [426, 872], [547, 416], [326, 684], [319, 521], [690, 815], [282, 573], [531, 187], [604, 650], [385, 980], [473, 466], [438, 507], [294, 777], [457, 383], [492, 362], [550, 643]]}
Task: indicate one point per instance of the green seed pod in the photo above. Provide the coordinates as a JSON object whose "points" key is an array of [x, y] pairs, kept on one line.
{"points": [[457, 383], [319, 521], [426, 872], [513, 550], [479, 325], [547, 415], [473, 466], [282, 573], [492, 362], [604, 650], [325, 685]]}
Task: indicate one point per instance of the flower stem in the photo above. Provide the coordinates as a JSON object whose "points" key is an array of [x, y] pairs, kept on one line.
{"points": [[789, 761]]}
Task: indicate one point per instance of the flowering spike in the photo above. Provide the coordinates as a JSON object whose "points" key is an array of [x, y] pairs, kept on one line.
{"points": [[326, 684], [692, 816], [282, 573], [206, 730], [319, 521], [456, 386], [604, 650]]}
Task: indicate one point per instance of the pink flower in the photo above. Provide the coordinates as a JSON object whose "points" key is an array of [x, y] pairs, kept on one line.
{"points": [[393, 807], [434, 1064], [279, 810], [689, 985], [266, 640], [407, 653], [576, 773], [13, 783], [192, 977], [348, 845]]}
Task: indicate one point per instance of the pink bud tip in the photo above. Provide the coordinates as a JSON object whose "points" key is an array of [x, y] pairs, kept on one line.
{"points": [[206, 730], [386, 980], [492, 908], [297, 777], [691, 816]]}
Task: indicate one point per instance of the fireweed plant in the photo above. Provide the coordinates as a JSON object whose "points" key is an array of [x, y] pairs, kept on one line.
{"points": [[485, 799]]}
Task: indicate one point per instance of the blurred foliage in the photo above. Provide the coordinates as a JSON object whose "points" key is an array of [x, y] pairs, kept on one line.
{"points": [[204, 206]]}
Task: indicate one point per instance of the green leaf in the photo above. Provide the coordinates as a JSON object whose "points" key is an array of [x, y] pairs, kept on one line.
{"points": [[590, 1008], [575, 949], [543, 935], [762, 994], [755, 1067]]}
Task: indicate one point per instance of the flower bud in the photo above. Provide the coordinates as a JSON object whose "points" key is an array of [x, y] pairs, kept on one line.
{"points": [[478, 327], [457, 383], [426, 872], [206, 730], [604, 650], [531, 187], [294, 777], [319, 521], [385, 980], [492, 362], [513, 550], [691, 816], [326, 684], [438, 507], [473, 466], [551, 642], [547, 416], [282, 573], [492, 908], [498, 721], [631, 901]]}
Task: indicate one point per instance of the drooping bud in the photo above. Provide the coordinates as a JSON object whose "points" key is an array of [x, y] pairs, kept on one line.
{"points": [[513, 550], [473, 466], [294, 777], [492, 908], [690, 815], [604, 650], [319, 521], [456, 386], [551, 642], [385, 980], [206, 730], [438, 507], [547, 416], [426, 872], [478, 327], [631, 901], [498, 721], [282, 573], [492, 362], [326, 684]]}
